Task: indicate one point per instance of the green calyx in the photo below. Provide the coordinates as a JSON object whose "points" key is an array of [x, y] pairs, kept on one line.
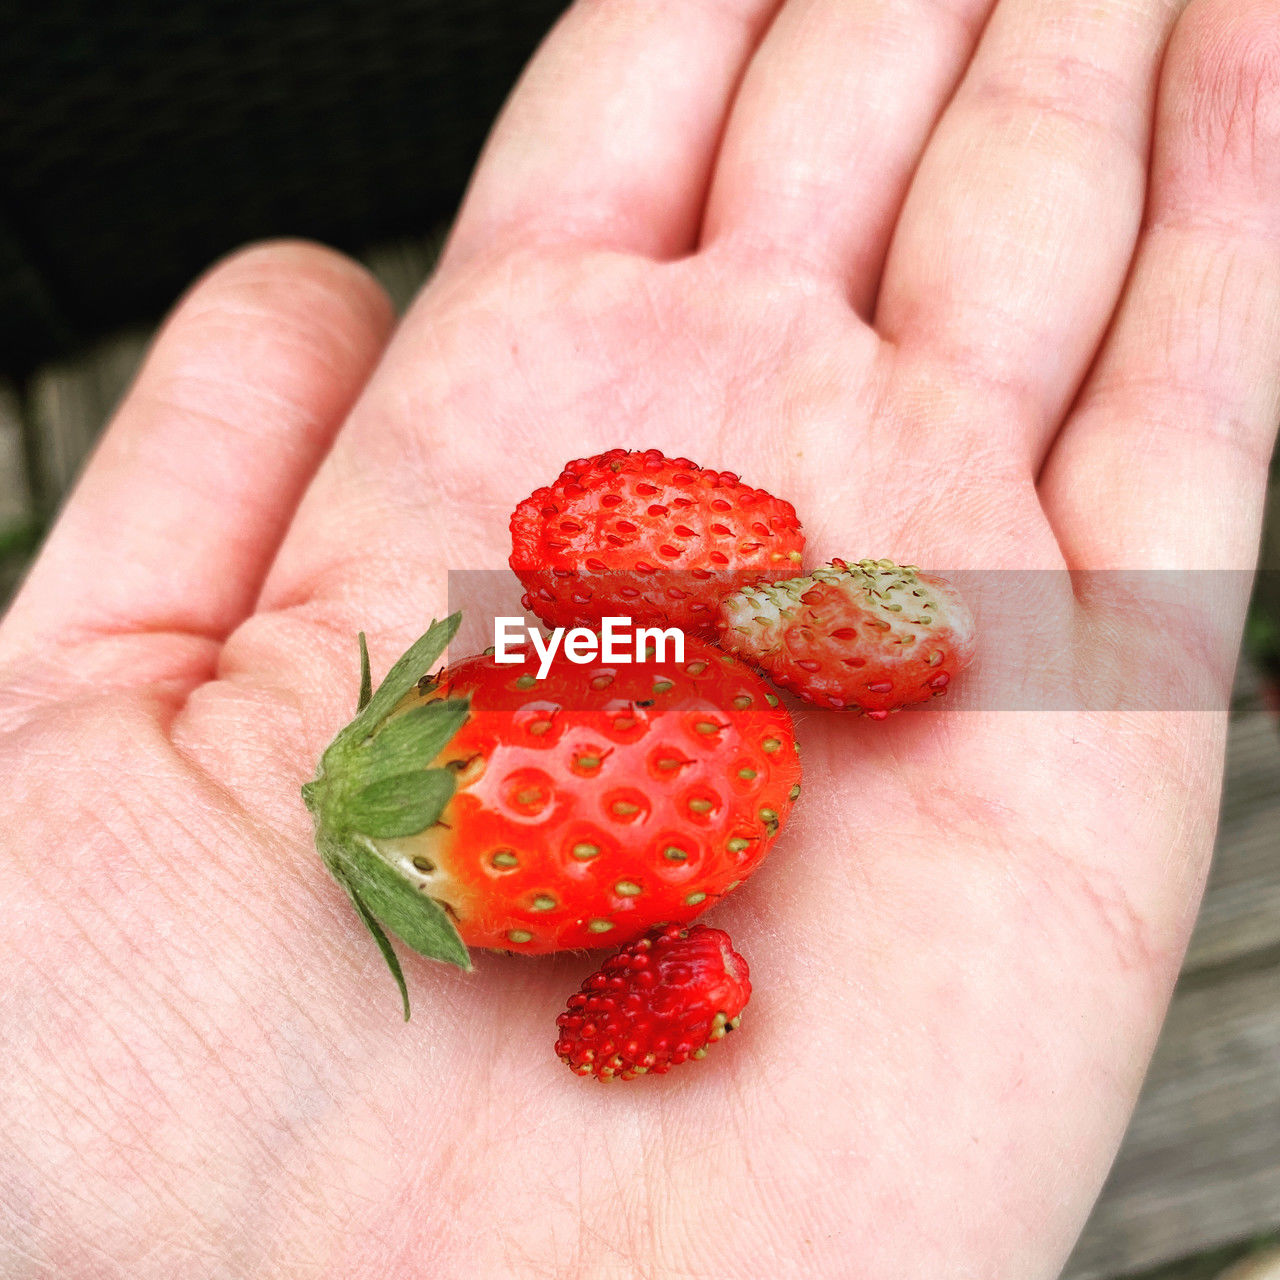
{"points": [[374, 783]]}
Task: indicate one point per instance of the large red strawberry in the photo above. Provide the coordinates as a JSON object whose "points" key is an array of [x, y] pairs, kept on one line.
{"points": [[488, 807], [657, 1003], [651, 538], [872, 636]]}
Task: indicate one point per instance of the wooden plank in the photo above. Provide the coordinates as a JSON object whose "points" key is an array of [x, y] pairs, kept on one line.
{"points": [[1200, 1165], [1259, 1266], [1241, 910], [70, 402], [403, 265], [1265, 620], [15, 491], [1231, 1262], [17, 509]]}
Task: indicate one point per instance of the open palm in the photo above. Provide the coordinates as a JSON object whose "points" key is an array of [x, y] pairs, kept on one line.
{"points": [[923, 270]]}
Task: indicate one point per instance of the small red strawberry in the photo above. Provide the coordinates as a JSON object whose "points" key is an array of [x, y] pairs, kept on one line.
{"points": [[656, 1004], [872, 636], [492, 808], [647, 537]]}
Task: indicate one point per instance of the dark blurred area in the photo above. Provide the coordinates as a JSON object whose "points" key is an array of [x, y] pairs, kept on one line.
{"points": [[139, 141]]}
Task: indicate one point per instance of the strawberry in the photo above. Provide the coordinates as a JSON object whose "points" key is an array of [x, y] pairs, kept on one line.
{"points": [[657, 1003], [488, 807], [652, 538], [871, 636]]}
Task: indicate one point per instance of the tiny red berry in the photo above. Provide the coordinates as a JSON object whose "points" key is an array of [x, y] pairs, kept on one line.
{"points": [[655, 1004], [647, 537]]}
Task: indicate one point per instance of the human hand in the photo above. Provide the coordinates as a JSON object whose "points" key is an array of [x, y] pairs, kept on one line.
{"points": [[965, 346]]}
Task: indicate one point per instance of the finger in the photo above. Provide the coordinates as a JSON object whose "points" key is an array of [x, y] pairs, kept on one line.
{"points": [[609, 136], [1019, 227], [181, 508], [827, 128], [1164, 463]]}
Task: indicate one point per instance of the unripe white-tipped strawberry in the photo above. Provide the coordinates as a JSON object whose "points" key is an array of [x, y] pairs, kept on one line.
{"points": [[871, 636]]}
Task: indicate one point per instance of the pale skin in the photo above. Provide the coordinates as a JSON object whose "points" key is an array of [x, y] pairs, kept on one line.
{"points": [[973, 286]]}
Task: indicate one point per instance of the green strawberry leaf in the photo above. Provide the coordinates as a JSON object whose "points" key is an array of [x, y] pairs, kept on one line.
{"points": [[384, 945], [414, 918], [399, 804], [373, 783], [366, 679], [414, 663], [413, 739]]}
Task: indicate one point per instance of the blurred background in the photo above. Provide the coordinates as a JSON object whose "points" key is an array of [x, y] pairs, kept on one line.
{"points": [[138, 142]]}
